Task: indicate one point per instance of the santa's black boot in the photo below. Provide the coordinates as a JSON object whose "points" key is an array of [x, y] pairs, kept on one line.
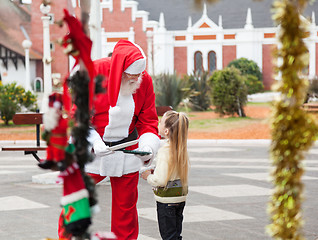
{"points": [[47, 164]]}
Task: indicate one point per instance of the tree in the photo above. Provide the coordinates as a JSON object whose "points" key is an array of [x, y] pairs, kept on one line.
{"points": [[229, 93], [170, 90], [12, 99], [253, 84], [201, 98], [250, 69], [247, 67]]}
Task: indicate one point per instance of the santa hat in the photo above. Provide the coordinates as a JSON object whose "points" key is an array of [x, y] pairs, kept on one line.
{"points": [[127, 57], [56, 100]]}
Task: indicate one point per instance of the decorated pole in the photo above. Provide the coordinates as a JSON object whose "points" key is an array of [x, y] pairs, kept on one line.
{"points": [[79, 198], [79, 46], [293, 130], [47, 71], [85, 9]]}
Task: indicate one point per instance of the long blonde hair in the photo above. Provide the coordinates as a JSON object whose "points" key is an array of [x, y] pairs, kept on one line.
{"points": [[178, 124]]}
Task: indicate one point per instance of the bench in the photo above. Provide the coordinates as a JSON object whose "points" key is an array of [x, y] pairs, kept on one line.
{"points": [[310, 107], [28, 118], [36, 118]]}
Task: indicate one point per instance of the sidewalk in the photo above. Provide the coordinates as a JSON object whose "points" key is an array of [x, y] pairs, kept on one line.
{"points": [[52, 177], [228, 195]]}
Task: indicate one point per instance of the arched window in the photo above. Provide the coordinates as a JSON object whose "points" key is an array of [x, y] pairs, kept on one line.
{"points": [[211, 61], [198, 63], [38, 84]]}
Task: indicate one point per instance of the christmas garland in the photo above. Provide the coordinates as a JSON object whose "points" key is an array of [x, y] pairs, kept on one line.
{"points": [[293, 130]]}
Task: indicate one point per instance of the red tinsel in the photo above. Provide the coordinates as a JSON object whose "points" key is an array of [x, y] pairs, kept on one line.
{"points": [[83, 45]]}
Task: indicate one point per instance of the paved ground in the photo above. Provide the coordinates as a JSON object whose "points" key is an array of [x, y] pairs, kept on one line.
{"points": [[227, 199]]}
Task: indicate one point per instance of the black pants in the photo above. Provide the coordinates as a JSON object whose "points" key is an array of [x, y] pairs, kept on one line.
{"points": [[170, 217]]}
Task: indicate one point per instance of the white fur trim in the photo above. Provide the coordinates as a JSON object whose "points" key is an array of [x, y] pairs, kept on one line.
{"points": [[114, 165], [120, 118], [136, 67], [114, 110], [93, 136], [50, 119], [74, 197], [69, 170], [57, 105], [139, 65], [151, 140]]}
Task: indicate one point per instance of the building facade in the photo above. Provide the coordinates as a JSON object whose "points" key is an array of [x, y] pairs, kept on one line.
{"points": [[21, 22], [202, 45], [175, 37]]}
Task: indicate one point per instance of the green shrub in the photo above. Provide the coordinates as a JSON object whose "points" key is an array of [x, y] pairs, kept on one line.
{"points": [[249, 68], [201, 98], [253, 84], [170, 90], [12, 99], [229, 92]]}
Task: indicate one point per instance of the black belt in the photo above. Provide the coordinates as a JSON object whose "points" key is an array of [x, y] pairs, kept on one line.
{"points": [[132, 136]]}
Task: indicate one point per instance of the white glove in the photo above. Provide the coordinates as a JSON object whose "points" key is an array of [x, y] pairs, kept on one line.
{"points": [[145, 158], [100, 148]]}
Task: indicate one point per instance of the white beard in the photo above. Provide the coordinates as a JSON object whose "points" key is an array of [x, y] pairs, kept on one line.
{"points": [[51, 118], [130, 87]]}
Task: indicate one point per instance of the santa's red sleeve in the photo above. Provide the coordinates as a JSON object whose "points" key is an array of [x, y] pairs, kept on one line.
{"points": [[147, 124]]}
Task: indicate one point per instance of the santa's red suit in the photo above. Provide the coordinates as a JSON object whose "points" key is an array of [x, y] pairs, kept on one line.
{"points": [[58, 141], [55, 127], [115, 117]]}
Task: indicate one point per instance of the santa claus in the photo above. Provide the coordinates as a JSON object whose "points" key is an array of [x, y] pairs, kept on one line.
{"points": [[124, 112], [55, 134]]}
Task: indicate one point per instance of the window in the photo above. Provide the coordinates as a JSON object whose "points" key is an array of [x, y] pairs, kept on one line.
{"points": [[38, 84], [211, 61], [198, 67]]}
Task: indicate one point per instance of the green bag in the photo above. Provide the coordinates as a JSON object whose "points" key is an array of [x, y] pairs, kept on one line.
{"points": [[172, 189]]}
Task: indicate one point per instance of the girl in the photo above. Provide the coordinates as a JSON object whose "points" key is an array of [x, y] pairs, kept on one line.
{"points": [[170, 177]]}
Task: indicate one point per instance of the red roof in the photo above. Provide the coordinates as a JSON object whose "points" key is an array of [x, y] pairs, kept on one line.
{"points": [[13, 17]]}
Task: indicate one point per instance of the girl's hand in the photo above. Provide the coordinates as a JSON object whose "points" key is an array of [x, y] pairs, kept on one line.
{"points": [[145, 174]]}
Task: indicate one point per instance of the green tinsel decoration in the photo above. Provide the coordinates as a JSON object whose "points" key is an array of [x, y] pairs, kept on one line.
{"points": [[293, 130]]}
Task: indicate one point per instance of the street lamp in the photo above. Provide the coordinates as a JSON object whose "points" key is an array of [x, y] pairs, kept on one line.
{"points": [[27, 45], [47, 59], [149, 48]]}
